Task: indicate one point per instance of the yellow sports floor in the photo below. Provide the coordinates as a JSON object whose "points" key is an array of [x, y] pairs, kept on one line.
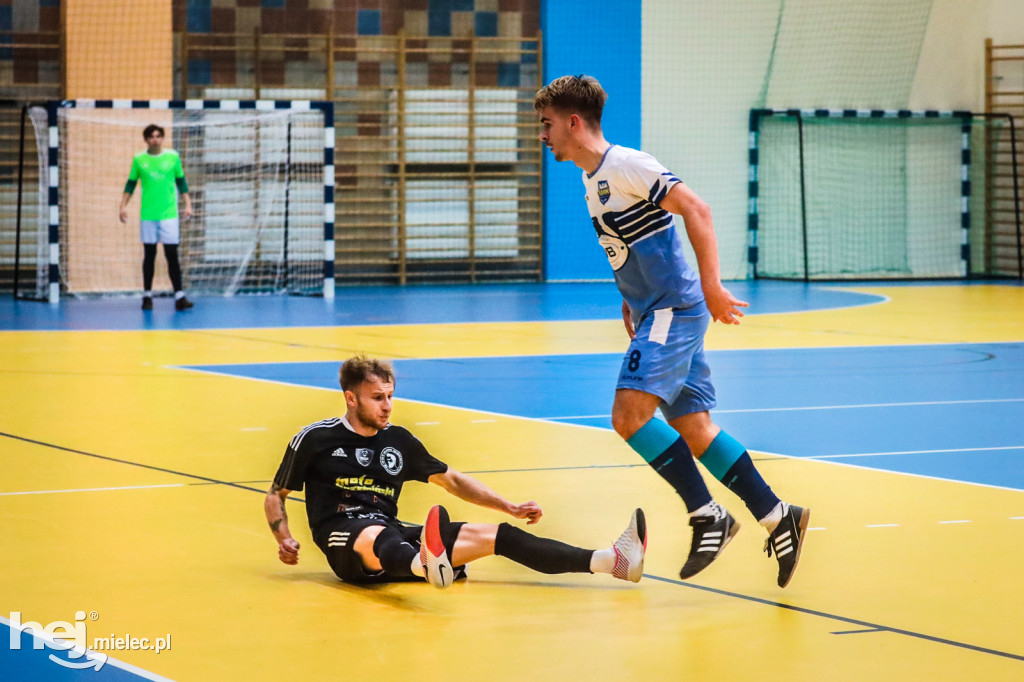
{"points": [[132, 490]]}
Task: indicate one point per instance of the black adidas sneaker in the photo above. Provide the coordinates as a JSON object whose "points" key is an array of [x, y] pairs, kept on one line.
{"points": [[787, 540], [711, 534]]}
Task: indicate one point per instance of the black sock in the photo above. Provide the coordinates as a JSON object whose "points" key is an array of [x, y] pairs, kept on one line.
{"points": [[173, 265], [677, 466], [148, 266], [394, 552], [540, 554], [744, 480]]}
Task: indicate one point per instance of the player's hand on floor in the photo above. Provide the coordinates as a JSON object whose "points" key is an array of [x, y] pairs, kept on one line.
{"points": [[527, 510], [723, 306], [288, 551]]}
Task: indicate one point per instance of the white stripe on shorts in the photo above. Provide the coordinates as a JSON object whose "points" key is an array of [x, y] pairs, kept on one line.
{"points": [[659, 328]]}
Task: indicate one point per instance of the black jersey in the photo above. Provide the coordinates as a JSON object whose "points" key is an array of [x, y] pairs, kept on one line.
{"points": [[344, 472]]}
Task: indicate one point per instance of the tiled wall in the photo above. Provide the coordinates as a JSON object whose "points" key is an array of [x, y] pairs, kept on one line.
{"points": [[31, 70], [293, 56]]}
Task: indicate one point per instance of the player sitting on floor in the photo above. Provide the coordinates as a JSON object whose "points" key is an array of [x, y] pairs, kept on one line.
{"points": [[353, 468]]}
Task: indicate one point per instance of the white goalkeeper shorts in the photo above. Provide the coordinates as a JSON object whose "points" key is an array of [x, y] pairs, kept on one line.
{"points": [[163, 231]]}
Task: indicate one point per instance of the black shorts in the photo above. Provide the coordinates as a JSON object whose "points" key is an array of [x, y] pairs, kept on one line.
{"points": [[336, 539]]}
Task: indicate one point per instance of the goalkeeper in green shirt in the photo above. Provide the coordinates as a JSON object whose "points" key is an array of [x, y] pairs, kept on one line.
{"points": [[162, 178]]}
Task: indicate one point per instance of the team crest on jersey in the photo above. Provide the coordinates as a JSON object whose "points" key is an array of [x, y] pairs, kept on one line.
{"points": [[391, 460], [364, 455], [604, 192], [340, 452]]}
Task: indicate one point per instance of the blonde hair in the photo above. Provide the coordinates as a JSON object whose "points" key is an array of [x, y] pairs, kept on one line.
{"points": [[360, 368], [581, 95]]}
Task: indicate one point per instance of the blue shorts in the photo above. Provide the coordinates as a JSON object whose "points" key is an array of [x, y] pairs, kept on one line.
{"points": [[666, 359], [163, 231]]}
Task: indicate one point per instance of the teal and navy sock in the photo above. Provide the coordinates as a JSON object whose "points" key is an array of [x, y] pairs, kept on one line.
{"points": [[729, 462], [668, 454]]}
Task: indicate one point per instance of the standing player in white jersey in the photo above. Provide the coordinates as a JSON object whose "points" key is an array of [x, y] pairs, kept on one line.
{"points": [[633, 201], [162, 179]]}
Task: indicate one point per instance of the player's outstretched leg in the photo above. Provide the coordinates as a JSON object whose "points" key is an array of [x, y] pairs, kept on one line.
{"points": [[711, 533], [787, 540], [630, 549], [433, 553]]}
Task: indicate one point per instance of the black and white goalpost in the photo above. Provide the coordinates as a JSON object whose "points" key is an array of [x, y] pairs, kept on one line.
{"points": [[261, 179], [859, 193]]}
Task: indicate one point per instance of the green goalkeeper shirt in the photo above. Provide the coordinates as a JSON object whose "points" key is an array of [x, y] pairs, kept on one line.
{"points": [[160, 176]]}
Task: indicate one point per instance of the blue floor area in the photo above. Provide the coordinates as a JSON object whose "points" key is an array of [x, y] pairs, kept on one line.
{"points": [[392, 305], [28, 663], [950, 411]]}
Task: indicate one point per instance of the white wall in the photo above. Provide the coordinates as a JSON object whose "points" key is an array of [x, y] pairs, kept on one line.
{"points": [[704, 65], [1006, 22], [951, 71]]}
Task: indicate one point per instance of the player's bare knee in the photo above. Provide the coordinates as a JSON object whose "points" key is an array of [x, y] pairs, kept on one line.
{"points": [[697, 430], [629, 414], [625, 423]]}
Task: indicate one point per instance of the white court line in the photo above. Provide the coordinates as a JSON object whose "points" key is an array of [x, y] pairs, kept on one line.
{"points": [[427, 423], [482, 421], [960, 521], [916, 452], [882, 525], [824, 407], [92, 490], [411, 401], [866, 405]]}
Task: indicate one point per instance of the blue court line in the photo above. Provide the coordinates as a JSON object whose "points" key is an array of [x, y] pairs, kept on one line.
{"points": [[843, 619], [949, 408], [382, 305]]}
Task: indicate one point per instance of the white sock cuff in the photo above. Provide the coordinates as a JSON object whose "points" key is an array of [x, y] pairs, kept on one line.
{"points": [[602, 560], [774, 516]]}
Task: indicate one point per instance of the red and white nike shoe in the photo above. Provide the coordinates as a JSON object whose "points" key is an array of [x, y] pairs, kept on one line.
{"points": [[630, 549], [433, 553]]}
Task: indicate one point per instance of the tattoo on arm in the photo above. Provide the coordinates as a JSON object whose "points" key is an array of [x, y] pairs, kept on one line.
{"points": [[275, 525]]}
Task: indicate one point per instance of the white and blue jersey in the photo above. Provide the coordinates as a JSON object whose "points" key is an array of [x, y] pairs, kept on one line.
{"points": [[666, 356], [639, 237]]}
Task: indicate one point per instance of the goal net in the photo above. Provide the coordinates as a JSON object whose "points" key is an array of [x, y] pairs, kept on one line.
{"points": [[859, 194], [260, 177]]}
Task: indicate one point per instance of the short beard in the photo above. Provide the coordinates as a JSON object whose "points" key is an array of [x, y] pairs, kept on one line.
{"points": [[367, 418]]}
